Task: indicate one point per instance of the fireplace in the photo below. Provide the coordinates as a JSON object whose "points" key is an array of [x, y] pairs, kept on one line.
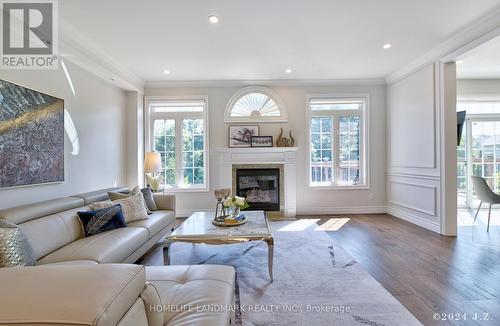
{"points": [[229, 160], [261, 188]]}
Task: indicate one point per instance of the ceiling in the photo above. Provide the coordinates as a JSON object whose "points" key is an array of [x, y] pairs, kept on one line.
{"points": [[260, 39], [481, 63]]}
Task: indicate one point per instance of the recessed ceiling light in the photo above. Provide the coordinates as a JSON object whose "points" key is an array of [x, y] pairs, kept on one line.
{"points": [[166, 72], [288, 71], [213, 19], [387, 46]]}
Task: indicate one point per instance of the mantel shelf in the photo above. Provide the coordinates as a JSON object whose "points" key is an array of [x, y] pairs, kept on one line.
{"points": [[258, 149]]}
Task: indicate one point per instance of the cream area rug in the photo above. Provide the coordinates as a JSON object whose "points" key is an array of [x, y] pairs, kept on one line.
{"points": [[315, 281]]}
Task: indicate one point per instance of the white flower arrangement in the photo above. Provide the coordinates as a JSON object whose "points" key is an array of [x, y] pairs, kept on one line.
{"points": [[235, 202]]}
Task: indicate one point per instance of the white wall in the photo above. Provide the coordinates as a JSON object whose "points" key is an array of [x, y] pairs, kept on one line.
{"points": [[413, 181], [309, 201], [98, 112], [135, 139], [478, 89]]}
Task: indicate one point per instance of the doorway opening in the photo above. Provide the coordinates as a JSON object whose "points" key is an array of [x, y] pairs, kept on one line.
{"points": [[478, 150]]}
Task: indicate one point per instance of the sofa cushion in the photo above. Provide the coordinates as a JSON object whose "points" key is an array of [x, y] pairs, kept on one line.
{"points": [[136, 316], [194, 286], [98, 195], [69, 295], [52, 232], [75, 262], [108, 247], [151, 298], [156, 222], [24, 213]]}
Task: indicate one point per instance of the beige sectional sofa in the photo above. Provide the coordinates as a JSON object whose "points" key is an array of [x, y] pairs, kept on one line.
{"points": [[117, 294], [54, 232], [79, 281]]}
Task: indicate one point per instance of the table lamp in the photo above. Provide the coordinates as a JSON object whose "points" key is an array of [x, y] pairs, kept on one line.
{"points": [[152, 164]]}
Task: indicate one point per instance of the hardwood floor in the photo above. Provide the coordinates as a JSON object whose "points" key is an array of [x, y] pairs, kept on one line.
{"points": [[428, 273]]}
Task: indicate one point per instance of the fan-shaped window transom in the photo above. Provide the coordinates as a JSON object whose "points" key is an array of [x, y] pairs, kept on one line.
{"points": [[255, 104]]}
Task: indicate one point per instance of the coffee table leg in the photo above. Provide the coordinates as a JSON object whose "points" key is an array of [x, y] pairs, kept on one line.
{"points": [[166, 253], [270, 254]]}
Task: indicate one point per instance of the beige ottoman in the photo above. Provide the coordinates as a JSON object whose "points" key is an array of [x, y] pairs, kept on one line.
{"points": [[195, 294]]}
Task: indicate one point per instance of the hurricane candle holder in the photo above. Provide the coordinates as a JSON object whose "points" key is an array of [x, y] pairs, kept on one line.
{"points": [[220, 210]]}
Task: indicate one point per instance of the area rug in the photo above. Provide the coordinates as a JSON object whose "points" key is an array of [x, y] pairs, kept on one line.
{"points": [[315, 281]]}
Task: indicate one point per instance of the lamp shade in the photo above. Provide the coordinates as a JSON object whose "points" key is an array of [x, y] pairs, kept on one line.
{"points": [[152, 162]]}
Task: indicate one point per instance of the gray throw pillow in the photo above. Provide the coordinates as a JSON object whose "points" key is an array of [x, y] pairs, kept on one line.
{"points": [[15, 250], [149, 198]]}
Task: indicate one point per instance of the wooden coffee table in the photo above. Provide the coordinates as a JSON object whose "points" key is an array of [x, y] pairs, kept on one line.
{"points": [[198, 228]]}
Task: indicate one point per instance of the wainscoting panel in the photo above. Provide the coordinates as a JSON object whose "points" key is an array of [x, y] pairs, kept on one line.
{"points": [[412, 119], [414, 158], [414, 196], [415, 199]]}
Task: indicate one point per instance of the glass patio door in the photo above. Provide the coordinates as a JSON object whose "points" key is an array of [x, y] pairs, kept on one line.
{"points": [[482, 157], [462, 172]]}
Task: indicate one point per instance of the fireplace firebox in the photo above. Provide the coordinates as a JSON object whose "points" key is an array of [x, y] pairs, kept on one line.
{"points": [[260, 187]]}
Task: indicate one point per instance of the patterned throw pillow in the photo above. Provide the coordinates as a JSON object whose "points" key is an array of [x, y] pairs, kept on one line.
{"points": [[133, 207], [120, 195], [102, 220], [15, 250]]}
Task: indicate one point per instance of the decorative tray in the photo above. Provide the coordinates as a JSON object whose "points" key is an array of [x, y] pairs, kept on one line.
{"points": [[242, 221]]}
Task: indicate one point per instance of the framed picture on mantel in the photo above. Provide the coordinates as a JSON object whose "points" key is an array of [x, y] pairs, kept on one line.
{"points": [[262, 141], [241, 135]]}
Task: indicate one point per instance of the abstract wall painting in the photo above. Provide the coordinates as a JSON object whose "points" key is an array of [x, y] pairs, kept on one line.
{"points": [[31, 137]]}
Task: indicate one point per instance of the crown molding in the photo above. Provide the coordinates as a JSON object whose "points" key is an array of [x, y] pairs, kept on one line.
{"points": [[82, 52], [480, 31], [263, 82]]}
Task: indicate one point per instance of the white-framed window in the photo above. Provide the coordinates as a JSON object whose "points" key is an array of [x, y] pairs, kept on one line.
{"points": [[255, 104], [178, 130], [338, 141]]}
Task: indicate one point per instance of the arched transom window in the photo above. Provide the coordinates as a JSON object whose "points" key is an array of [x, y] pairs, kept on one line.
{"points": [[255, 104]]}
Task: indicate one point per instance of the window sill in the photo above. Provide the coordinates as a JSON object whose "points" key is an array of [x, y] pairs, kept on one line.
{"points": [[337, 187], [185, 189]]}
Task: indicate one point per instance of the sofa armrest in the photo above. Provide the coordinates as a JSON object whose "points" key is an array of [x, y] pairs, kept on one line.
{"points": [[165, 202]]}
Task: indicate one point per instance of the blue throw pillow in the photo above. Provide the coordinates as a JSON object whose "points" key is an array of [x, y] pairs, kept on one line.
{"points": [[102, 220]]}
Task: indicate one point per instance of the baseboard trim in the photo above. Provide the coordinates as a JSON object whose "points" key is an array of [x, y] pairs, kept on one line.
{"points": [[342, 210], [392, 210], [414, 219], [309, 210]]}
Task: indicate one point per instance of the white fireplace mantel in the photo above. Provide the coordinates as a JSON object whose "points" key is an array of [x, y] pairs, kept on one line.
{"points": [[287, 156]]}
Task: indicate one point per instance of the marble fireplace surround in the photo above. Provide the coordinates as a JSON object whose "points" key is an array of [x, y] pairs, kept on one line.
{"points": [[262, 166], [285, 158]]}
